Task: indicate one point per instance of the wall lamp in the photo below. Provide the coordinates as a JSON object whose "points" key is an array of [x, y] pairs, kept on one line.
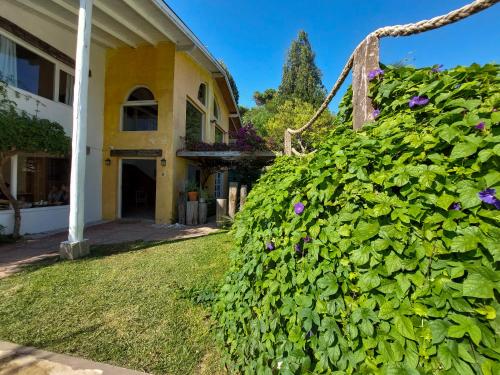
{"points": [[107, 162], [163, 162]]}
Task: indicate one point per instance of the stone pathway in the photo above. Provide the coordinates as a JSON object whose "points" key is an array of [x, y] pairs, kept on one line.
{"points": [[45, 247], [20, 360]]}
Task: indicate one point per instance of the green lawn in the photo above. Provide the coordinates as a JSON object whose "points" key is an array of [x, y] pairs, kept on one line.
{"points": [[128, 305]]}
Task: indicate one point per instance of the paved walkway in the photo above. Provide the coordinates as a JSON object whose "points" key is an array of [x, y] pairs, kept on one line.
{"points": [[19, 360], [45, 247]]}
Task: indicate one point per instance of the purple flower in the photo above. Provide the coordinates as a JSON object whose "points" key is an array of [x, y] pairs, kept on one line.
{"points": [[375, 73], [307, 239], [375, 113], [270, 246], [494, 109], [458, 85], [480, 126], [437, 68], [418, 101], [455, 206], [488, 196], [298, 248], [298, 208]]}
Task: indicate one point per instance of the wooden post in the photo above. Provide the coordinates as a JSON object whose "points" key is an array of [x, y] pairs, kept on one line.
{"points": [[192, 213], [76, 246], [366, 59], [243, 195], [288, 143], [233, 196], [181, 208], [221, 211], [202, 212]]}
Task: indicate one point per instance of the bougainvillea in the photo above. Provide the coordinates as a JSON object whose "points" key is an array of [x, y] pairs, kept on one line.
{"points": [[400, 272]]}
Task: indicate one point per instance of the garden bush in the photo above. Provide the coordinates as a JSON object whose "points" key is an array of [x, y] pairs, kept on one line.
{"points": [[379, 253]]}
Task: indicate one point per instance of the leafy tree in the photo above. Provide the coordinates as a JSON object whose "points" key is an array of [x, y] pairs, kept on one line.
{"points": [[301, 77], [261, 98], [293, 113], [21, 132], [232, 82]]}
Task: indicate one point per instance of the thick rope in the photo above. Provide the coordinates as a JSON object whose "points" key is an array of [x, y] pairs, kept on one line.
{"points": [[399, 30]]}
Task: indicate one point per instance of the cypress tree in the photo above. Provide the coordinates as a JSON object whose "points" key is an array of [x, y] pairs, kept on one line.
{"points": [[301, 77]]}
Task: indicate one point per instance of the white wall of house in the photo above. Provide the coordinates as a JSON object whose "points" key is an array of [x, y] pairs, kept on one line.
{"points": [[36, 220]]}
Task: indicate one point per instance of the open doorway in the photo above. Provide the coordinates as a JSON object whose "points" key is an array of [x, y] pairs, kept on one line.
{"points": [[138, 188]]}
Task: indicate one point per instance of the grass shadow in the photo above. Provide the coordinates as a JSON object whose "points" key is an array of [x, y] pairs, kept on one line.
{"points": [[105, 250]]}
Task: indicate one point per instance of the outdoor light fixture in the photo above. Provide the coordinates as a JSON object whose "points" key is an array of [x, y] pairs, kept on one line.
{"points": [[108, 162], [163, 162]]}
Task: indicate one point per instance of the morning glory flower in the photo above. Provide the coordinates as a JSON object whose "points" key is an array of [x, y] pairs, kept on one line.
{"points": [[488, 196], [480, 126], [455, 206], [375, 113], [418, 101], [375, 73], [437, 68], [270, 246], [307, 239], [298, 208], [298, 248]]}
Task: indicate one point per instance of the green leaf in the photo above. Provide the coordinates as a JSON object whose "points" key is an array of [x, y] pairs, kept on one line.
{"points": [[404, 326], [465, 325], [462, 150], [366, 230], [480, 285], [445, 201], [439, 329]]}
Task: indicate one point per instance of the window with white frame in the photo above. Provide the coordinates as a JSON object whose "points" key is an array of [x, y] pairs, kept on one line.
{"points": [[219, 185], [202, 94], [66, 87], [216, 110], [22, 67], [194, 123], [140, 111], [219, 135]]}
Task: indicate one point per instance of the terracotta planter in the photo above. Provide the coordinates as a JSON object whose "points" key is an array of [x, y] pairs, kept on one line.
{"points": [[192, 196]]}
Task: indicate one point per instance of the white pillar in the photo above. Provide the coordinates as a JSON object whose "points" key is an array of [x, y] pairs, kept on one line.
{"points": [[79, 142]]}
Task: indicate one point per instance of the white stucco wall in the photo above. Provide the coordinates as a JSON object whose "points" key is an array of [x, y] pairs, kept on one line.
{"points": [[40, 220]]}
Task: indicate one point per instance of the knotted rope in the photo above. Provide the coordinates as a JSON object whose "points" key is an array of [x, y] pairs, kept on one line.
{"points": [[396, 30]]}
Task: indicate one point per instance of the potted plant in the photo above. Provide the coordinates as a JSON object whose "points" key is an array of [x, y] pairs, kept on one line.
{"points": [[203, 195], [192, 191]]}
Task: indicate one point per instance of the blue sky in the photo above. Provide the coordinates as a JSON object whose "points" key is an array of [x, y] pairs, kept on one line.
{"points": [[252, 36]]}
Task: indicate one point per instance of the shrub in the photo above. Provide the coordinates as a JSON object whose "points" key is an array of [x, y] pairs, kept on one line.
{"points": [[392, 267]]}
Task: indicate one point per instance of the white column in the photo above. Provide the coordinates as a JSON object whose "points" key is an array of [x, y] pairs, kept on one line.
{"points": [[13, 175], [79, 141]]}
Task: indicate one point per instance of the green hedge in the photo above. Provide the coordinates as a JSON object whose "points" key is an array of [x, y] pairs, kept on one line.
{"points": [[393, 266]]}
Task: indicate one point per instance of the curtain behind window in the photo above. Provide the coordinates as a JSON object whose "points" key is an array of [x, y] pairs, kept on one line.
{"points": [[8, 61]]}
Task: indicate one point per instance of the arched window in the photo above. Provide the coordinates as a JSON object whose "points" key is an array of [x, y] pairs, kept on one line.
{"points": [[202, 94], [216, 110], [140, 111]]}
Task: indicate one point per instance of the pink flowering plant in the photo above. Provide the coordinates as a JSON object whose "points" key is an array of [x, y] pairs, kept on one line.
{"points": [[386, 256]]}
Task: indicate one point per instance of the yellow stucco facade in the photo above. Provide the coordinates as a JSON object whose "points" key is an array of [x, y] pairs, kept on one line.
{"points": [[173, 77]]}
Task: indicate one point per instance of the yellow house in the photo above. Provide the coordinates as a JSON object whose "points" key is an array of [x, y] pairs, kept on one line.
{"points": [[153, 87], [156, 97]]}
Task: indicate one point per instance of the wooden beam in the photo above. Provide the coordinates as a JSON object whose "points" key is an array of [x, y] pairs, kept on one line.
{"points": [[366, 59], [135, 5], [185, 48], [70, 22], [136, 29], [100, 24]]}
